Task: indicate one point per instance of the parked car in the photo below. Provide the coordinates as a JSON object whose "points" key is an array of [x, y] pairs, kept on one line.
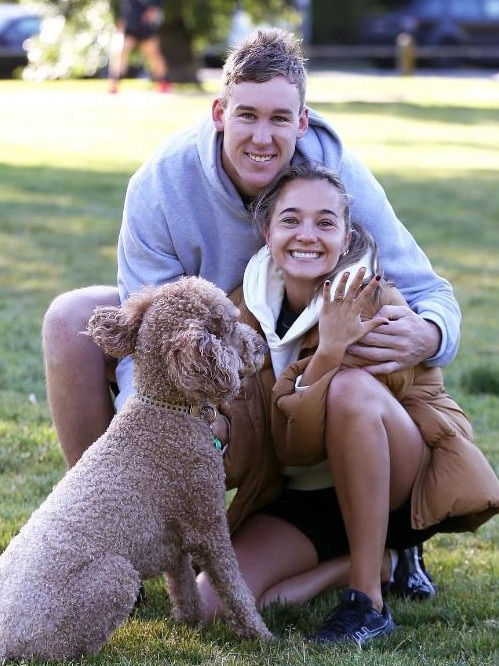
{"points": [[439, 23], [17, 24]]}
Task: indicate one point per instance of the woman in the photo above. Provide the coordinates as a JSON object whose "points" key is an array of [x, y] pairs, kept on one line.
{"points": [[355, 463]]}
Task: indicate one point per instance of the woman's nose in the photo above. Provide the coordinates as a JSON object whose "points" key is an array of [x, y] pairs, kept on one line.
{"points": [[306, 233]]}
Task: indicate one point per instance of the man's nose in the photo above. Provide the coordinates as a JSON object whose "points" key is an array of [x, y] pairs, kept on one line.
{"points": [[262, 134]]}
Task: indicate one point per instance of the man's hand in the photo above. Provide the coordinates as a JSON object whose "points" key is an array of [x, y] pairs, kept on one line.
{"points": [[407, 340]]}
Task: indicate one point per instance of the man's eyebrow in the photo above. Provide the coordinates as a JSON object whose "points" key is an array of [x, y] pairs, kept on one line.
{"points": [[246, 107]]}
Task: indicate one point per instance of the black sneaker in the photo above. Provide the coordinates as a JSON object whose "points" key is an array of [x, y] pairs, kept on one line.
{"points": [[354, 619], [411, 580]]}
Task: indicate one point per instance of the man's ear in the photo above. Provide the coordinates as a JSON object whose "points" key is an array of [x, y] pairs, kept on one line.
{"points": [[302, 123], [217, 115]]}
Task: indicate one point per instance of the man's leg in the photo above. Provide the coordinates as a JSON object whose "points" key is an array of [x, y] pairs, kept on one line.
{"points": [[121, 48], [151, 49], [77, 371]]}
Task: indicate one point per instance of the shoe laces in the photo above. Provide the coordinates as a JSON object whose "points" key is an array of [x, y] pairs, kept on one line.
{"points": [[344, 616]]}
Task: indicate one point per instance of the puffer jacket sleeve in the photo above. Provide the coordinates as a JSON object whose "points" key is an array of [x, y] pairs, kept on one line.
{"points": [[456, 486]]}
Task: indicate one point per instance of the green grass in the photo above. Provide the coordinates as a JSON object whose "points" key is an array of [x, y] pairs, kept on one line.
{"points": [[67, 150]]}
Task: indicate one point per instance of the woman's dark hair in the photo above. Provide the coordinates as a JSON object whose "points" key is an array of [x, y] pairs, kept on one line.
{"points": [[361, 240]]}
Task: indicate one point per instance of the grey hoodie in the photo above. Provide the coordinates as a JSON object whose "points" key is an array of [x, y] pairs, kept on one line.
{"points": [[183, 216]]}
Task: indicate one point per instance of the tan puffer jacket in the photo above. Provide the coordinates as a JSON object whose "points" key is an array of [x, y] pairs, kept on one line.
{"points": [[273, 425]]}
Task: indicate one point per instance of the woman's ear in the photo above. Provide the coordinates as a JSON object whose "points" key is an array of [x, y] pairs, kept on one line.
{"points": [[346, 246]]}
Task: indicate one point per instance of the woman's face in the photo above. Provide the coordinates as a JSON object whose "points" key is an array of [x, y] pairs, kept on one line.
{"points": [[307, 233]]}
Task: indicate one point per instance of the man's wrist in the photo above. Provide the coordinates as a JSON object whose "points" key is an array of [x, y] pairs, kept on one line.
{"points": [[434, 339]]}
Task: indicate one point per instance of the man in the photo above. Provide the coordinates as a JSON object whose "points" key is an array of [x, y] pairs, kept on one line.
{"points": [[186, 213], [138, 25]]}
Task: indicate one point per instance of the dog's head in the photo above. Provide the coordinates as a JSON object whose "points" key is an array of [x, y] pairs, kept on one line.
{"points": [[185, 338]]}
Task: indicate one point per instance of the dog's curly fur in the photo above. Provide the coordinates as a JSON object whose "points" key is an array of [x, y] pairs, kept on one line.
{"points": [[146, 498]]}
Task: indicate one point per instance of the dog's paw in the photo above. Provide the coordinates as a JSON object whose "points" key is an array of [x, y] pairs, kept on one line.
{"points": [[254, 629], [191, 617]]}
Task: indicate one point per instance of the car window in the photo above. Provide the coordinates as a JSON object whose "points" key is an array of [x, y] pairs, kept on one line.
{"points": [[20, 30], [465, 9], [430, 8]]}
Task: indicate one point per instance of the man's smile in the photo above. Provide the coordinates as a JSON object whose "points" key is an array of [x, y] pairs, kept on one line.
{"points": [[259, 158]]}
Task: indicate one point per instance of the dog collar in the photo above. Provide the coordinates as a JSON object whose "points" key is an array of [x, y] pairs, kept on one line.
{"points": [[207, 412]]}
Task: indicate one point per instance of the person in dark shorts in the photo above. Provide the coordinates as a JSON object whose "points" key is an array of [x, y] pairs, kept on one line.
{"points": [[357, 466], [138, 25]]}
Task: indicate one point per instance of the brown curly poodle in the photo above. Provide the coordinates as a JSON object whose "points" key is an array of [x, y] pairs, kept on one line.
{"points": [[146, 498]]}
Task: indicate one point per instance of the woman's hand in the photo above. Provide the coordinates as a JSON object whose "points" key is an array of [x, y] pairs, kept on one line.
{"points": [[340, 323]]}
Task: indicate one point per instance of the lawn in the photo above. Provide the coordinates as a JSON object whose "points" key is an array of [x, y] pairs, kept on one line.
{"points": [[67, 150]]}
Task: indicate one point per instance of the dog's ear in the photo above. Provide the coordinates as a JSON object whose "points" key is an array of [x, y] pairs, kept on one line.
{"points": [[253, 348], [202, 366], [115, 329]]}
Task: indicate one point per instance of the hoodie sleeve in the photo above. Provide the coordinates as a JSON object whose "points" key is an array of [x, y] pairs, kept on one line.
{"points": [[402, 260]]}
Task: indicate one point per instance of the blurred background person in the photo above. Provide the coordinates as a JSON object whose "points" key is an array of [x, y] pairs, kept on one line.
{"points": [[138, 25]]}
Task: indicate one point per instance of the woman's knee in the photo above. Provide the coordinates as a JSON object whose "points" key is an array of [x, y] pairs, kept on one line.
{"points": [[351, 389], [210, 602]]}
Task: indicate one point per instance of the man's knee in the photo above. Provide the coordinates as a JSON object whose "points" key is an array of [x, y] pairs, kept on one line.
{"points": [[68, 314]]}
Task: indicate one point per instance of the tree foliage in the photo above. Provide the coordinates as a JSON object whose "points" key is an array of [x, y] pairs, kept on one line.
{"points": [[76, 37]]}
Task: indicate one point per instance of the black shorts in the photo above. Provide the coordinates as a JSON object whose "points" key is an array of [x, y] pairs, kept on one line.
{"points": [[317, 514], [141, 32]]}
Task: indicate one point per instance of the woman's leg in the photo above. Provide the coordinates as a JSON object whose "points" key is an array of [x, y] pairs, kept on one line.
{"points": [[375, 450], [268, 550], [279, 564], [77, 371]]}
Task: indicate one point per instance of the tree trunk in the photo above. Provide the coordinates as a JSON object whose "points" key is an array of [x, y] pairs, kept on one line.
{"points": [[176, 43]]}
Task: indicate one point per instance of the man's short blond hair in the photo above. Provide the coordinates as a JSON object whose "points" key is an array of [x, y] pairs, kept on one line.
{"points": [[267, 53]]}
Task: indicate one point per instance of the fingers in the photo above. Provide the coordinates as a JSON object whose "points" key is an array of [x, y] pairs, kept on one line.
{"points": [[339, 294], [341, 289], [353, 290], [383, 368], [375, 322], [371, 285], [326, 291]]}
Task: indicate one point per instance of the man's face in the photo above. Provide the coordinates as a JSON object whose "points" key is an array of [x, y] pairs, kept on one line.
{"points": [[261, 124]]}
